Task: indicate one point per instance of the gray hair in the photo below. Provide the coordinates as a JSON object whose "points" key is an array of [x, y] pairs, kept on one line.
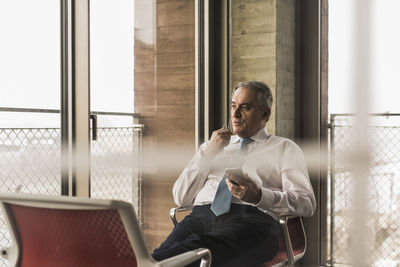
{"points": [[264, 95]]}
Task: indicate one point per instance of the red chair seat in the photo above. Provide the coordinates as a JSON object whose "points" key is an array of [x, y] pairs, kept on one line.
{"points": [[297, 240]]}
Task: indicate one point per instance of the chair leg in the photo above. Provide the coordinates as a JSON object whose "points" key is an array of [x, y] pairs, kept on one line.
{"points": [[205, 263]]}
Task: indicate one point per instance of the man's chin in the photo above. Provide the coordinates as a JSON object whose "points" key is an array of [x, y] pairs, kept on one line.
{"points": [[238, 131]]}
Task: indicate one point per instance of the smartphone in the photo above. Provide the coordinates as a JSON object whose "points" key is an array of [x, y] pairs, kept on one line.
{"points": [[237, 172]]}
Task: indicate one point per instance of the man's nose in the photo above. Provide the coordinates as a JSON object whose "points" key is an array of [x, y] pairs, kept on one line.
{"points": [[236, 112]]}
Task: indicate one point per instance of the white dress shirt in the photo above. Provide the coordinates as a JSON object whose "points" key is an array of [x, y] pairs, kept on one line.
{"points": [[275, 163]]}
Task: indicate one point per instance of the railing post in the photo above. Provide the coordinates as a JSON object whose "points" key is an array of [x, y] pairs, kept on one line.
{"points": [[332, 183]]}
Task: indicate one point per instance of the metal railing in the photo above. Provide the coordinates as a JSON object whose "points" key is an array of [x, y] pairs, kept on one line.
{"points": [[30, 162], [383, 238]]}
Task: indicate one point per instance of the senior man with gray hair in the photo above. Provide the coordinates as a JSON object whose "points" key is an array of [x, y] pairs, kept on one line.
{"points": [[238, 186]]}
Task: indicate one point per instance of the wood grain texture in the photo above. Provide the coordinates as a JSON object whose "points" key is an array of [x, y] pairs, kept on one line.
{"points": [[165, 100]]}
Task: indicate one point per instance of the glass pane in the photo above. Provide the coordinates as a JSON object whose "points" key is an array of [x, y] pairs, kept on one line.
{"points": [[30, 54], [383, 234], [29, 79], [115, 153], [111, 55], [115, 158]]}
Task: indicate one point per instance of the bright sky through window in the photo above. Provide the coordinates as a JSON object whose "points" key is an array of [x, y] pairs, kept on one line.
{"points": [[385, 56]]}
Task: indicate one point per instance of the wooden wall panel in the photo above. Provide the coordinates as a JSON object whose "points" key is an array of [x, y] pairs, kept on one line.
{"points": [[165, 99]]}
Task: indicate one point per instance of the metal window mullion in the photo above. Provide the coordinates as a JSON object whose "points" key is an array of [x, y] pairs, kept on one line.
{"points": [[75, 108], [64, 114], [206, 67], [199, 72]]}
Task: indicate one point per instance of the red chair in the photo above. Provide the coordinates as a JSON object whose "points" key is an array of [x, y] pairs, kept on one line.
{"points": [[65, 232], [292, 247], [294, 243]]}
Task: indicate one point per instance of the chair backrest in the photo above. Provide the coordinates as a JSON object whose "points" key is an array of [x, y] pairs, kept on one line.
{"points": [[61, 231], [298, 242]]}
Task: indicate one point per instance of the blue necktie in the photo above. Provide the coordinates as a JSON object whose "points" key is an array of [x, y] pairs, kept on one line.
{"points": [[223, 197]]}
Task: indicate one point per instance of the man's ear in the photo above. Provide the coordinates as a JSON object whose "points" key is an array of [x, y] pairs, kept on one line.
{"points": [[267, 113]]}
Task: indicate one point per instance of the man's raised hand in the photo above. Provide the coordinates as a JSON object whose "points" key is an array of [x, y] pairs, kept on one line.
{"points": [[219, 139]]}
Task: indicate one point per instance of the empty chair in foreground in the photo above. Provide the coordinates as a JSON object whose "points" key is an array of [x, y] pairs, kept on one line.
{"points": [[65, 231]]}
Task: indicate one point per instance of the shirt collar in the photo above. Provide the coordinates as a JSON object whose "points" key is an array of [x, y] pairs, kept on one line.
{"points": [[260, 137]]}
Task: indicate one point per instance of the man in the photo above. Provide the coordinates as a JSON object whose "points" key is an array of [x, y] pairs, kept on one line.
{"points": [[275, 182]]}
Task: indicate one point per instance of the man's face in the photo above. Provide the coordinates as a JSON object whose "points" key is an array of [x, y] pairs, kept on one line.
{"points": [[247, 116]]}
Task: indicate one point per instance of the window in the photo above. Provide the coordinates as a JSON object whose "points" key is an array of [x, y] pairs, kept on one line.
{"points": [[381, 233]]}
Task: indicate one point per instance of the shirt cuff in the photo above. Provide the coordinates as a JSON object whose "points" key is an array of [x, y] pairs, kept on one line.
{"points": [[202, 163], [267, 199]]}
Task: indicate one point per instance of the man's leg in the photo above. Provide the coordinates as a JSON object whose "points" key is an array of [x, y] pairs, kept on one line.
{"points": [[243, 237], [197, 222]]}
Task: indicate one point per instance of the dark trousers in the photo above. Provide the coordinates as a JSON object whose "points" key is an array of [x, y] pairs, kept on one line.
{"points": [[243, 237]]}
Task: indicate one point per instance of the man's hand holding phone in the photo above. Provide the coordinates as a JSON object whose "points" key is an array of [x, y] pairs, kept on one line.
{"points": [[242, 187], [235, 174]]}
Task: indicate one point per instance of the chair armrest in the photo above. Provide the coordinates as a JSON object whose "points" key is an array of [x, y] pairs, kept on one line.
{"points": [[283, 220], [11, 254], [4, 253], [286, 238], [187, 258], [173, 211]]}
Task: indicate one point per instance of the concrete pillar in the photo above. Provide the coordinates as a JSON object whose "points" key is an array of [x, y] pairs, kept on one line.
{"points": [[263, 48]]}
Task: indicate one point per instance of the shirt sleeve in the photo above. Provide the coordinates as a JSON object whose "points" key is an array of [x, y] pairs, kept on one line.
{"points": [[296, 197], [192, 179]]}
